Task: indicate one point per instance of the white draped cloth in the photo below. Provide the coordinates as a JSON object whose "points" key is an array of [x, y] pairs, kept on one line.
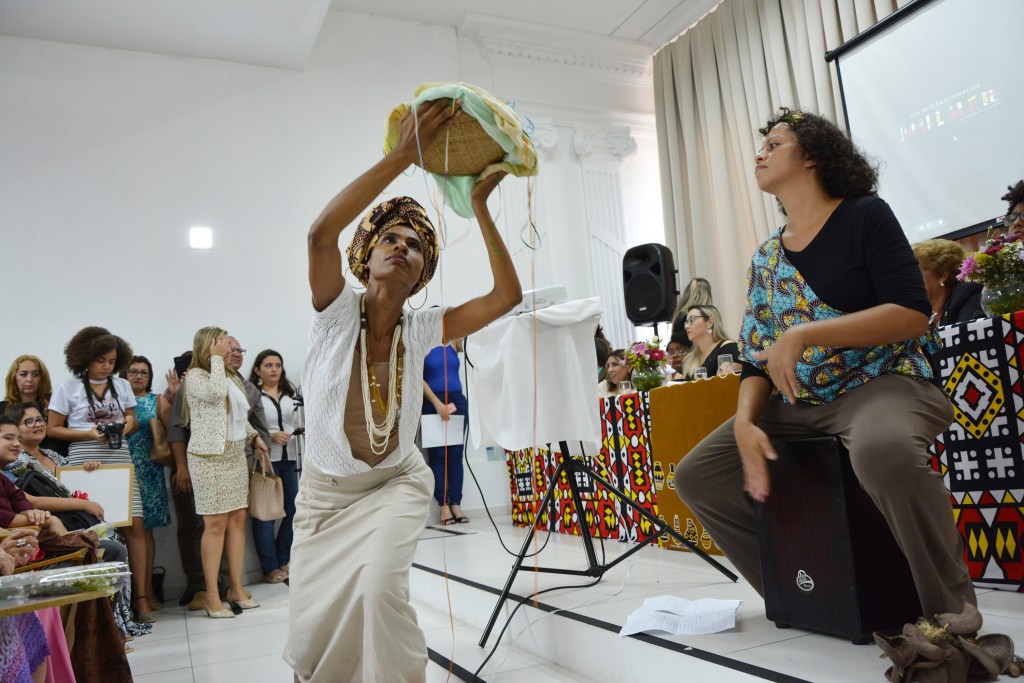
{"points": [[504, 384]]}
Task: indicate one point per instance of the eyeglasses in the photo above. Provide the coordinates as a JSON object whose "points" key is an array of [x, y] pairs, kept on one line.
{"points": [[33, 421], [677, 352], [240, 352], [694, 318], [138, 373], [1012, 218]]}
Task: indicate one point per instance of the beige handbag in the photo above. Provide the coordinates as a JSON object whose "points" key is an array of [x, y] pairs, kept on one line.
{"points": [[266, 494], [160, 453]]}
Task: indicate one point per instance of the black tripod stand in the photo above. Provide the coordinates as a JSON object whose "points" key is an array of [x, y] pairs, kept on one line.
{"points": [[572, 466]]}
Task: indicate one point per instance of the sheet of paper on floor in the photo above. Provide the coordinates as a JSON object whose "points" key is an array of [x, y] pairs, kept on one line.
{"points": [[679, 616]]}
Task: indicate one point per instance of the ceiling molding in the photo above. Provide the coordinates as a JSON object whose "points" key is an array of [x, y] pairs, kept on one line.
{"points": [[514, 42]]}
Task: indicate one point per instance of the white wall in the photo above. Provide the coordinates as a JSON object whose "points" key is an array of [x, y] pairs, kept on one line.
{"points": [[107, 157]]}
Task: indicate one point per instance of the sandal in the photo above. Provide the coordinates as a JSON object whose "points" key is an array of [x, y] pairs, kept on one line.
{"points": [[451, 519], [276, 576], [143, 617], [459, 519]]}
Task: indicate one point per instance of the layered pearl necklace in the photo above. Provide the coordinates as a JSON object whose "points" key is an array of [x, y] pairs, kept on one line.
{"points": [[379, 433]]}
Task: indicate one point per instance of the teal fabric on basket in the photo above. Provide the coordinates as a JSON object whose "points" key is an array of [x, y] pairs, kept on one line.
{"points": [[496, 118]]}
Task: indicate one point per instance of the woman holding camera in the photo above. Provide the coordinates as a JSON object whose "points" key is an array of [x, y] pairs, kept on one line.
{"points": [[95, 410], [281, 407]]}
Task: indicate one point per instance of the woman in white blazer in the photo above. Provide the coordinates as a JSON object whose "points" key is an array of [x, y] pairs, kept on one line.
{"points": [[217, 410]]}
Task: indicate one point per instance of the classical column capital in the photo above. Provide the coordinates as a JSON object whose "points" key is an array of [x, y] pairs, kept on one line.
{"points": [[598, 142]]}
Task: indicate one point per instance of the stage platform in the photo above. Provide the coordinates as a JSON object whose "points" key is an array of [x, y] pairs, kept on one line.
{"points": [[572, 635]]}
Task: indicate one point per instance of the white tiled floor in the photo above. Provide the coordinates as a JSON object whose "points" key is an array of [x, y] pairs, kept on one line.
{"points": [[539, 646]]}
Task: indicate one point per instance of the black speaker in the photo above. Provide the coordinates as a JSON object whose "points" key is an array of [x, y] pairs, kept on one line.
{"points": [[648, 283], [828, 559]]}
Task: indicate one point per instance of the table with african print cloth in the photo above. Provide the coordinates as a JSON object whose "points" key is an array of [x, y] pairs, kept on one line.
{"points": [[624, 460], [980, 455]]}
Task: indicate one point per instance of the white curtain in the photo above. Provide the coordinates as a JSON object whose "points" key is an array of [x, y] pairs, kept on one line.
{"points": [[714, 87]]}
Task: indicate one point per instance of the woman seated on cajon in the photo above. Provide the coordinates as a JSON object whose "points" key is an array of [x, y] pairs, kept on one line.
{"points": [[835, 312], [365, 488]]}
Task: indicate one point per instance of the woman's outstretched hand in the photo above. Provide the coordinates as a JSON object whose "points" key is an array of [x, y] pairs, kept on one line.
{"points": [[429, 121]]}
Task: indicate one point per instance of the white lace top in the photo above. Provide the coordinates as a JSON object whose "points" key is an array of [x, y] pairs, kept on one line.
{"points": [[327, 371]]}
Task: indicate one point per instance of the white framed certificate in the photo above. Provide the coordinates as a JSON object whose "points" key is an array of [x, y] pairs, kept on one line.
{"points": [[109, 485]]}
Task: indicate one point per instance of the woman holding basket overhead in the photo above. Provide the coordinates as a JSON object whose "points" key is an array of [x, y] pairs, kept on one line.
{"points": [[365, 491]]}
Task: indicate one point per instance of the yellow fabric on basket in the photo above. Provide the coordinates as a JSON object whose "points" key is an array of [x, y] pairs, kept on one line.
{"points": [[497, 119]]}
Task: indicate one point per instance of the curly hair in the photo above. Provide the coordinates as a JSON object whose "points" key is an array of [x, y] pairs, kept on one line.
{"points": [[144, 361], [942, 257], [842, 169], [90, 343], [45, 390], [1015, 195]]}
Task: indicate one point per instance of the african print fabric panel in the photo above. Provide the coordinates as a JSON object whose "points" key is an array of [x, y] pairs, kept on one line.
{"points": [[980, 455], [624, 461]]}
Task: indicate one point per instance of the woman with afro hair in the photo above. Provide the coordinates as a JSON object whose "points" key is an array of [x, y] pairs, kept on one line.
{"points": [[94, 410]]}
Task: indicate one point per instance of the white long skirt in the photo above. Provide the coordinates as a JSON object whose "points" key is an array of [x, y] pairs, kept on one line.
{"points": [[350, 617]]}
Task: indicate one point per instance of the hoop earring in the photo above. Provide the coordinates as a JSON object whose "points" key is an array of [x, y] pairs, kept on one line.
{"points": [[416, 308]]}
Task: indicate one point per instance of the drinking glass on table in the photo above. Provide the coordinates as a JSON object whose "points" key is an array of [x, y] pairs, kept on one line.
{"points": [[700, 373], [725, 366], [625, 387]]}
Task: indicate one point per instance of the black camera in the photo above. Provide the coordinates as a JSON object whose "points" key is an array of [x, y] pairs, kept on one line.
{"points": [[113, 431]]}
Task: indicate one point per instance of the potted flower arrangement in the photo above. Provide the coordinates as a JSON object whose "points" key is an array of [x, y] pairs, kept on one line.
{"points": [[647, 360], [1000, 268]]}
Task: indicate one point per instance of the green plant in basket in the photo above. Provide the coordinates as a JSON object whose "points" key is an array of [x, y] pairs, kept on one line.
{"points": [[647, 362]]}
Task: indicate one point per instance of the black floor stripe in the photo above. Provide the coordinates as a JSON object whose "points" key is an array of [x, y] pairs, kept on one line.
{"points": [[448, 665], [689, 651]]}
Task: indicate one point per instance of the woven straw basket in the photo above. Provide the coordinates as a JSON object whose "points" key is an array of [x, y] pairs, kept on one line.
{"points": [[468, 147]]}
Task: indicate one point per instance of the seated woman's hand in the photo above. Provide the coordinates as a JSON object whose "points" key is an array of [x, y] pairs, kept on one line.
{"points": [[94, 508], [782, 358], [21, 546], [37, 517], [755, 451], [7, 563], [55, 525], [91, 466]]}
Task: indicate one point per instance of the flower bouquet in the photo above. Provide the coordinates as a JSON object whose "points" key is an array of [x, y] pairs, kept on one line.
{"points": [[1000, 268], [647, 362]]}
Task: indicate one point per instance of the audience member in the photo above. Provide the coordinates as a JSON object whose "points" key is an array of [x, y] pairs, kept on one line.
{"points": [[952, 301], [1014, 220], [615, 372], [442, 395], [156, 511], [15, 508], [278, 398], [603, 348], [46, 492], [190, 525], [834, 312], [706, 332], [28, 381], [678, 349], [216, 412], [696, 293], [94, 410], [257, 417]]}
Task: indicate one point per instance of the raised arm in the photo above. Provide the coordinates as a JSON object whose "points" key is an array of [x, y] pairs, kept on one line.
{"points": [[326, 278], [469, 317]]}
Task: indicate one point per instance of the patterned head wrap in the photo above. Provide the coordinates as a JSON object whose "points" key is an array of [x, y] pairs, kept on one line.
{"points": [[397, 211]]}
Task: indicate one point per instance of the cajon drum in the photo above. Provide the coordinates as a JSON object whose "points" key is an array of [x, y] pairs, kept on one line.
{"points": [[828, 559]]}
